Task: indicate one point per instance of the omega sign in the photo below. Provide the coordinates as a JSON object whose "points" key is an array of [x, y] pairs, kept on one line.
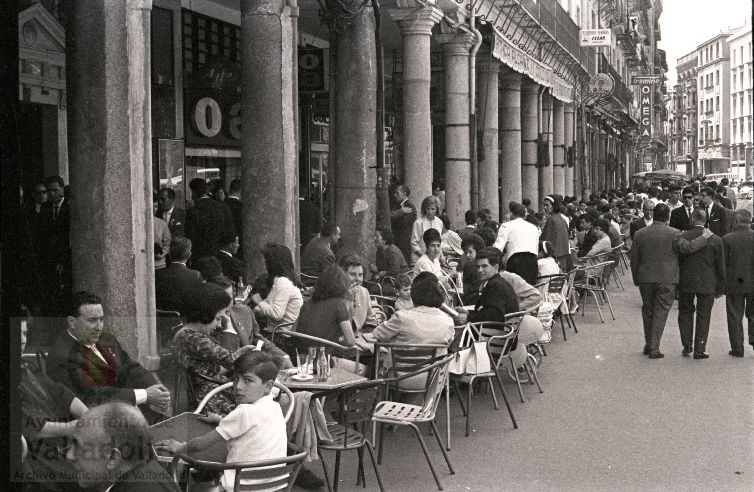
{"points": [[214, 119], [645, 111]]}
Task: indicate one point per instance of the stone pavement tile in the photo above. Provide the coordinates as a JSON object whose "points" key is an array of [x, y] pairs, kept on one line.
{"points": [[609, 419]]}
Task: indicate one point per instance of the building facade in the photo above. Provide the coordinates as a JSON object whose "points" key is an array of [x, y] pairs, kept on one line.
{"points": [[740, 102], [686, 126]]}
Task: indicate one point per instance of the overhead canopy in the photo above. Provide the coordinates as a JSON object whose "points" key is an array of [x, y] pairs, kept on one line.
{"points": [[667, 173]]}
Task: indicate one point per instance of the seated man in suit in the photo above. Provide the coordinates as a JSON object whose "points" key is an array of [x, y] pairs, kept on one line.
{"points": [[496, 298], [88, 359], [680, 217], [175, 284], [232, 267]]}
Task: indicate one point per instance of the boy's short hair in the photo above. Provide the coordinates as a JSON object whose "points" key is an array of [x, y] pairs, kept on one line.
{"points": [[403, 280], [259, 363]]}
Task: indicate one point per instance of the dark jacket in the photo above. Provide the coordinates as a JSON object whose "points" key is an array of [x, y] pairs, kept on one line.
{"points": [[402, 223], [391, 260], [235, 205], [177, 223], [89, 377], [206, 223], [702, 272], [175, 285], [317, 256], [718, 222], [679, 219], [555, 230], [232, 266], [495, 301], [739, 260], [654, 253], [636, 225]]}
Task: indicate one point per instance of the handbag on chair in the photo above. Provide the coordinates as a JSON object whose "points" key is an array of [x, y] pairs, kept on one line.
{"points": [[471, 360]]}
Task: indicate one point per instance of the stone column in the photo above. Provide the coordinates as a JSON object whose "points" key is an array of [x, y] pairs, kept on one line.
{"points": [[558, 148], [110, 159], [457, 139], [545, 172], [601, 158], [510, 133], [568, 127], [356, 140], [487, 113], [529, 129], [268, 140], [416, 24]]}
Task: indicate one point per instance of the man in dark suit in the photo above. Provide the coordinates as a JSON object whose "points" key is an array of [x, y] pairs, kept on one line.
{"points": [[642, 222], [174, 216], [207, 220], [654, 268], [470, 218], [234, 203], [680, 218], [113, 452], [497, 298], [402, 221], [319, 254], [56, 248], [717, 219], [232, 267], [702, 277], [88, 359], [739, 285], [175, 285]]}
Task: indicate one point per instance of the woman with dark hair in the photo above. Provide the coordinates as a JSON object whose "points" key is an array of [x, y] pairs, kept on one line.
{"points": [[428, 220], [284, 299], [430, 260], [555, 230], [199, 354], [326, 315], [546, 264]]}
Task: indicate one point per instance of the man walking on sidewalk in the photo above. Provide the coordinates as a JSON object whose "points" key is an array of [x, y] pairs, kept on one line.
{"points": [[739, 286], [702, 277], [654, 268]]}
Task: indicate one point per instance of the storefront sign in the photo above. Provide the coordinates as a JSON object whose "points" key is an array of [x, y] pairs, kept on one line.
{"points": [[596, 37], [645, 79], [213, 118], [646, 93], [602, 85], [540, 73]]}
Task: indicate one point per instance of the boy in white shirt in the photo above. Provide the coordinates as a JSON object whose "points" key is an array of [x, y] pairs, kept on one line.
{"points": [[255, 429], [403, 299]]}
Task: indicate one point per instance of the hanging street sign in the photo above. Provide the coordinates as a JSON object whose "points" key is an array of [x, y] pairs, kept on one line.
{"points": [[596, 37], [646, 95], [601, 85], [645, 79]]}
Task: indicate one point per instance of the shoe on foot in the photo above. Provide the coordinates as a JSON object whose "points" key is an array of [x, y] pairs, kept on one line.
{"points": [[701, 355], [687, 350], [647, 350], [306, 479], [656, 354], [736, 353]]}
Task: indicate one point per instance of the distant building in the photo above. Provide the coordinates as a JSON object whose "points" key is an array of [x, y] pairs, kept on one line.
{"points": [[685, 107], [740, 102]]}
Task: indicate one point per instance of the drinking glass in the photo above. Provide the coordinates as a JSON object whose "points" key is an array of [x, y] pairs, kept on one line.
{"points": [[303, 364]]}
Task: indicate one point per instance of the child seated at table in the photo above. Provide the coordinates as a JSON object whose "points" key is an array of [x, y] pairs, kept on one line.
{"points": [[403, 300], [255, 429]]}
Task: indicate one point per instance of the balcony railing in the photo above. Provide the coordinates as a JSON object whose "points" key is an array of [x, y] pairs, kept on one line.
{"points": [[620, 92]]}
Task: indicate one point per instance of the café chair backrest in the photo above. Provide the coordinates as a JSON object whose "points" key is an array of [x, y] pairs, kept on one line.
{"points": [[301, 342], [274, 474], [405, 358], [227, 386]]}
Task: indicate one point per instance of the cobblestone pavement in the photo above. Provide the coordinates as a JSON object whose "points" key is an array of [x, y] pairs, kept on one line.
{"points": [[609, 419]]}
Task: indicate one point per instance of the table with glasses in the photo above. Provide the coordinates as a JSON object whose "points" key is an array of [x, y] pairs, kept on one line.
{"points": [[339, 378]]}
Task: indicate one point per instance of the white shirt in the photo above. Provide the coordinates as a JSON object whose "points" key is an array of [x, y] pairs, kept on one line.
{"points": [[517, 236], [166, 215], [283, 303], [254, 432], [678, 204], [424, 264], [421, 225]]}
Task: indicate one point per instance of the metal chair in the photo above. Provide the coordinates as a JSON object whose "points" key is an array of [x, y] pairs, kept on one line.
{"points": [[305, 341], [275, 474], [470, 335], [356, 404], [593, 284], [556, 292], [405, 358], [383, 307], [308, 280], [226, 386], [404, 414]]}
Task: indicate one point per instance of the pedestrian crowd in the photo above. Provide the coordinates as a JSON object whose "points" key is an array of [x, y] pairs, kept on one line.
{"points": [[685, 243]]}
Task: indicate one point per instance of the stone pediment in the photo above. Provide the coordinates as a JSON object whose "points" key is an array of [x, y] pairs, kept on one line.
{"points": [[38, 30]]}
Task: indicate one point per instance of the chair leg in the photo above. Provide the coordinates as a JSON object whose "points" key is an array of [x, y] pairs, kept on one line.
{"points": [[562, 326], [370, 450], [460, 398], [597, 303], [360, 476], [327, 475], [518, 381], [426, 455], [382, 442], [492, 390], [505, 398], [534, 373], [439, 443], [610, 305], [572, 322], [447, 414], [336, 475], [469, 394]]}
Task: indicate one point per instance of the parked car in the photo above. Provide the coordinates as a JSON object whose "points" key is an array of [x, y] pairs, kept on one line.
{"points": [[745, 189]]}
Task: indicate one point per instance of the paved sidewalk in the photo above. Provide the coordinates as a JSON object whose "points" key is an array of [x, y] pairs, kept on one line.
{"points": [[609, 419]]}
